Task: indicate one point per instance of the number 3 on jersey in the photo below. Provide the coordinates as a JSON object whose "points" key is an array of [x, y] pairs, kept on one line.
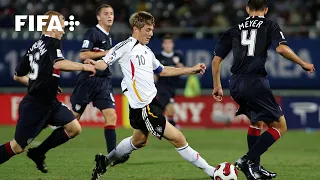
{"points": [[251, 42], [33, 74]]}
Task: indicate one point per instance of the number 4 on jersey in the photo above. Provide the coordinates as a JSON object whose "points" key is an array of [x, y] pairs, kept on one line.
{"points": [[251, 42]]}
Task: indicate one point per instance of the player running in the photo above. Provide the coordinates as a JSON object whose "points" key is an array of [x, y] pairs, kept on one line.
{"points": [[249, 86], [166, 86], [98, 89], [138, 65], [40, 69]]}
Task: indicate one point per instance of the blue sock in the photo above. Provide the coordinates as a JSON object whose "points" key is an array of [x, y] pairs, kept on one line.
{"points": [[252, 137], [263, 143], [5, 152], [110, 136], [57, 137]]}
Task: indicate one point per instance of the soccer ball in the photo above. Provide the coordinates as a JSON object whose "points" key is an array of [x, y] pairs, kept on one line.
{"points": [[225, 171]]}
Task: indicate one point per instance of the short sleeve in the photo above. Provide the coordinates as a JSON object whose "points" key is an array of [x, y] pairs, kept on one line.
{"points": [[23, 66], [117, 52], [88, 41], [157, 66], [55, 52], [277, 36], [224, 45]]}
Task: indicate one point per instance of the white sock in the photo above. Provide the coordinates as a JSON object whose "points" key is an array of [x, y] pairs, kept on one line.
{"points": [[194, 157], [123, 148]]}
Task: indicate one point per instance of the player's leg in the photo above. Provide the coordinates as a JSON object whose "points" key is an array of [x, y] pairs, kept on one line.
{"points": [[253, 135], [69, 128], [165, 97], [110, 118], [263, 108], [125, 147], [81, 96], [175, 137], [138, 140], [159, 127], [8, 150], [268, 138], [170, 111], [103, 99], [30, 123]]}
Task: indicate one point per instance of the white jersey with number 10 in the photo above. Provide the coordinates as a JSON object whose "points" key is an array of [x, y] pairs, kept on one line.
{"points": [[138, 65]]}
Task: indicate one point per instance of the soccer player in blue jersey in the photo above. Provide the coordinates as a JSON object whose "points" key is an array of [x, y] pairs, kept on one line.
{"points": [[167, 85], [98, 89], [249, 87], [39, 69]]}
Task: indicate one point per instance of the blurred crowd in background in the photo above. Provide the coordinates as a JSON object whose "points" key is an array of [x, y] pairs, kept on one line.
{"points": [[296, 17]]}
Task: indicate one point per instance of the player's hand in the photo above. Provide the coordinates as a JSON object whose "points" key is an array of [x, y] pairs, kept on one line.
{"points": [[59, 90], [90, 61], [217, 93], [89, 68], [199, 68], [308, 67]]}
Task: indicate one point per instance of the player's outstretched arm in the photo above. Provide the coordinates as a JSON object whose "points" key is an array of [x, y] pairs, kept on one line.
{"points": [[217, 87], [66, 65], [172, 71], [98, 65], [92, 55], [22, 79], [288, 53]]}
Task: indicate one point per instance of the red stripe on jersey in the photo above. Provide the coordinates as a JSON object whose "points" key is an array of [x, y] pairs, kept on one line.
{"points": [[96, 49], [132, 69], [56, 71]]}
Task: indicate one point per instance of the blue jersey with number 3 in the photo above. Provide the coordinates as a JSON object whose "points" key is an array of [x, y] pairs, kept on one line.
{"points": [[250, 41], [38, 63]]}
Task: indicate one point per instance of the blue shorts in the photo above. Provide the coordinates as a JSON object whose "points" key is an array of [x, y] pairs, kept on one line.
{"points": [[96, 89], [255, 98], [35, 116], [165, 94]]}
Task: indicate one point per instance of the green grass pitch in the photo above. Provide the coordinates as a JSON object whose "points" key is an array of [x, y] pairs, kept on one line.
{"points": [[295, 156]]}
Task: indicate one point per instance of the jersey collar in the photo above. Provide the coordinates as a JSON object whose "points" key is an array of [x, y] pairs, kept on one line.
{"points": [[101, 29], [168, 55], [254, 16]]}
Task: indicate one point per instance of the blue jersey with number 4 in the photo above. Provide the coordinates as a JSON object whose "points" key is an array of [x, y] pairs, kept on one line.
{"points": [[38, 63], [250, 40]]}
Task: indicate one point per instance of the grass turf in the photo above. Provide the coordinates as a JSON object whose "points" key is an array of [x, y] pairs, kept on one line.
{"points": [[295, 156]]}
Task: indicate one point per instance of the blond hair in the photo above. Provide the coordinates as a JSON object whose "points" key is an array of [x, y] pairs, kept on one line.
{"points": [[50, 14], [140, 19]]}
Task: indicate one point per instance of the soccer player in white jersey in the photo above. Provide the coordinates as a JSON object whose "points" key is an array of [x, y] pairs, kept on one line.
{"points": [[138, 65]]}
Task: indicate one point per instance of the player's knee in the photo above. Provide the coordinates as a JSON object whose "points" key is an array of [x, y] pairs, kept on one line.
{"points": [[258, 124], [283, 129], [73, 129], [282, 125], [110, 118], [17, 149], [179, 140], [139, 143]]}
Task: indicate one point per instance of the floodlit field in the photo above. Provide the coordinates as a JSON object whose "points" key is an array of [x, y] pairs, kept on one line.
{"points": [[295, 156]]}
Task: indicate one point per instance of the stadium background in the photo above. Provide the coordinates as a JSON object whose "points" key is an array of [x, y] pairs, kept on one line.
{"points": [[196, 25]]}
